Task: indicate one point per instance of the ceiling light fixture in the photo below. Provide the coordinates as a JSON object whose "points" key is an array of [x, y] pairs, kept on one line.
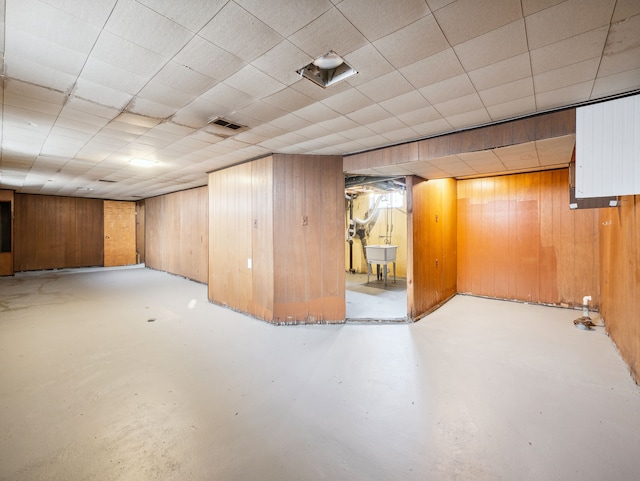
{"points": [[327, 69], [142, 162]]}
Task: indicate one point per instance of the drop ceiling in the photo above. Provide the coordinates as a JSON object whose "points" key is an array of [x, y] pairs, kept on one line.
{"points": [[88, 86]]}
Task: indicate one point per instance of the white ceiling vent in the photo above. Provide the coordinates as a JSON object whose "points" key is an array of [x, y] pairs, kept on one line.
{"points": [[223, 127]]}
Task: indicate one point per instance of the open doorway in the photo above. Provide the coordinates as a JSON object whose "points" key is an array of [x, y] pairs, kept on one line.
{"points": [[376, 248]]}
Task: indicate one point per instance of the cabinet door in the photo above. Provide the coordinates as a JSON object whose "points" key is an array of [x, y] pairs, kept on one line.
{"points": [[119, 233]]}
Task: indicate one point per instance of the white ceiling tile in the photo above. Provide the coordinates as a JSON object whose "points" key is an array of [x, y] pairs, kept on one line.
{"points": [[405, 103], [572, 50], [620, 62], [506, 71], [159, 93], [507, 92], [618, 83], [51, 24], [499, 44], [316, 113], [385, 87], [33, 93], [338, 124], [447, 89], [420, 116], [566, 76], [314, 41], [466, 19], [113, 77], [384, 18], [480, 158], [31, 48], [288, 100], [555, 151], [564, 96], [18, 68], [386, 125], [282, 62], [208, 59], [256, 113], [184, 79], [286, 17], [193, 17], [357, 133], [438, 4], [469, 118], [432, 127], [625, 9], [401, 134], [87, 111], [313, 132], [372, 113], [533, 6], [567, 19], [253, 82], [252, 37], [369, 64], [412, 43], [150, 109], [348, 101], [226, 98], [196, 114], [289, 122], [623, 42], [512, 109], [88, 90], [435, 68], [144, 27], [127, 55]]}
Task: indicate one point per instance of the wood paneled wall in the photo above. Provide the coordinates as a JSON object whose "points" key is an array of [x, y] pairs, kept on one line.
{"points": [[6, 257], [231, 232], [620, 278], [308, 254], [518, 239], [176, 233], [57, 232], [276, 240], [540, 127], [432, 213]]}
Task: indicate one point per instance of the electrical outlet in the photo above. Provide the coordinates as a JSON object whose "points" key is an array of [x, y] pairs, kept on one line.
{"points": [[305, 220]]}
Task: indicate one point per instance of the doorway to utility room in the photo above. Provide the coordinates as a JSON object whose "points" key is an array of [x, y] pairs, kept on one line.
{"points": [[376, 248]]}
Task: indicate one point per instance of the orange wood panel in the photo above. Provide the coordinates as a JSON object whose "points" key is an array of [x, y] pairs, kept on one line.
{"points": [[119, 233], [7, 228], [619, 265], [501, 241], [262, 238], [540, 250], [140, 230]]}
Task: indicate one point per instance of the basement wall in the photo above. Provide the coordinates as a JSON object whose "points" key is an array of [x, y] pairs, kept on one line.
{"points": [[432, 265], [620, 278], [518, 240], [54, 232], [176, 233], [276, 238]]}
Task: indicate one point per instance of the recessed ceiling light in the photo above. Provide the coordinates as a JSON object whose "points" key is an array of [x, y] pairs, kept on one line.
{"points": [[327, 69], [142, 162]]}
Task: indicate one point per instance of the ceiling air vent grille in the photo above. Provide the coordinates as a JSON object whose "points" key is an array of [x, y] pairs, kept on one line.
{"points": [[226, 124]]}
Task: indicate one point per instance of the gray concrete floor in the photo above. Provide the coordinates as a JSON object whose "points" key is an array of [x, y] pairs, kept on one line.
{"points": [[479, 390], [372, 300]]}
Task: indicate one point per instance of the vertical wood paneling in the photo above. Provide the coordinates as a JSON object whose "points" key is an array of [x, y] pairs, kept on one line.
{"points": [[262, 247], [140, 230], [431, 276], [538, 249], [309, 280], [230, 237], [119, 233], [6, 258], [619, 265], [57, 232], [176, 233]]}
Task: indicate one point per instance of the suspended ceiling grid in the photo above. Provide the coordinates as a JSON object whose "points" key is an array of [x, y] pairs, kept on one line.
{"points": [[87, 86]]}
